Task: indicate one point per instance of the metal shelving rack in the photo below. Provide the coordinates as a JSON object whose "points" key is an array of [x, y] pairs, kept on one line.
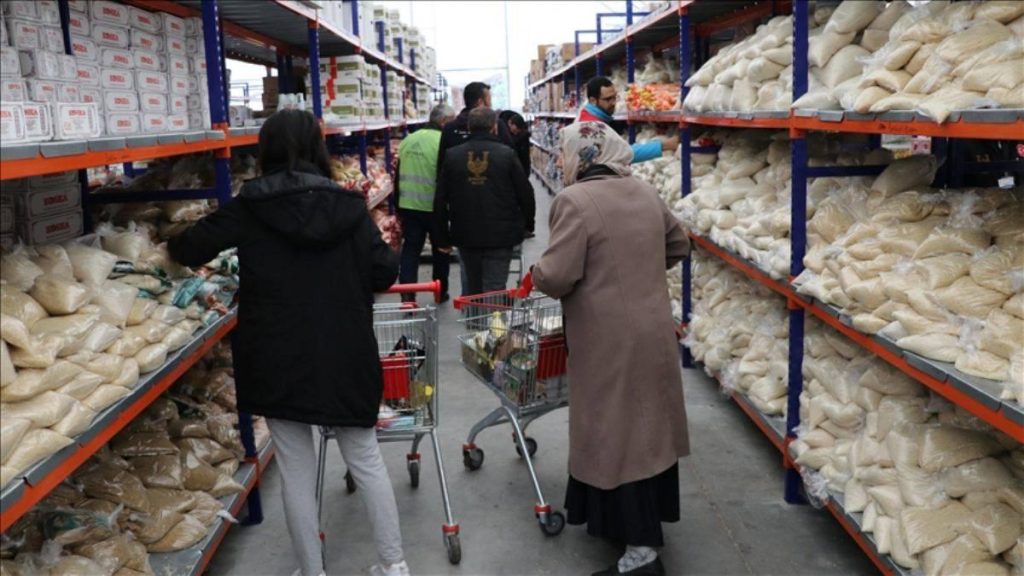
{"points": [[224, 36], [696, 21]]}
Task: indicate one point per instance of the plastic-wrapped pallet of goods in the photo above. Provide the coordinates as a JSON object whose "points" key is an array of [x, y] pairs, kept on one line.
{"points": [[938, 272]]}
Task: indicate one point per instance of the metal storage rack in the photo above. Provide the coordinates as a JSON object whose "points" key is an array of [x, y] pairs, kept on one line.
{"points": [[224, 36], [695, 21]]}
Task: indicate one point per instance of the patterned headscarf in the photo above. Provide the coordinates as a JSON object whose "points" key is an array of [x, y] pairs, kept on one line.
{"points": [[585, 144]]}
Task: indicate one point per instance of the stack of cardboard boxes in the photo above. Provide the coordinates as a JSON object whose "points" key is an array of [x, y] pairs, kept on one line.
{"points": [[42, 209]]}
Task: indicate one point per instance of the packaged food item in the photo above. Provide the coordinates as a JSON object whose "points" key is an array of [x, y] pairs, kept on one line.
{"points": [[10, 63], [85, 49], [35, 446], [76, 121], [23, 34], [51, 229], [40, 63], [172, 499], [111, 12], [117, 58], [12, 122], [174, 26], [152, 123], [60, 295], [109, 35], [123, 123], [153, 103], [146, 60], [79, 24], [108, 482], [116, 79]]}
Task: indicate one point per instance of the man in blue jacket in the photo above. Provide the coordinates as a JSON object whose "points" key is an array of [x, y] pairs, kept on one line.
{"points": [[600, 107]]}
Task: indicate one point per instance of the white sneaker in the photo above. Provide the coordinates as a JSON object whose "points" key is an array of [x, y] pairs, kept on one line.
{"points": [[399, 569]]}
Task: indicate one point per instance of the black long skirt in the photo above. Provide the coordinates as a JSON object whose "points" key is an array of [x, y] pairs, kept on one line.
{"points": [[630, 514]]}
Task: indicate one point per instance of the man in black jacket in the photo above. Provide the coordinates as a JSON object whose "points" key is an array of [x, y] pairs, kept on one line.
{"points": [[484, 204], [476, 95]]}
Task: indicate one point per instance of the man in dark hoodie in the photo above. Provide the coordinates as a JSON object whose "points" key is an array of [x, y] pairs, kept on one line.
{"points": [[483, 205], [304, 349]]}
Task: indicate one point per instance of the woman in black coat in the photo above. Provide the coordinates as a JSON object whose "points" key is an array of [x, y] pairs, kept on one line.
{"points": [[310, 260]]}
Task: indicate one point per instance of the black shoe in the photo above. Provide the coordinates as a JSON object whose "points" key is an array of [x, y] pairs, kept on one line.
{"points": [[530, 235], [652, 568], [444, 298]]}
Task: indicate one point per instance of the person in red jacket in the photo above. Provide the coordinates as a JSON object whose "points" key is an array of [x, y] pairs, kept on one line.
{"points": [[600, 107]]}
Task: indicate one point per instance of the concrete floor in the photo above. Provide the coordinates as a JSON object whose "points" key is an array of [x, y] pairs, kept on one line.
{"points": [[734, 518]]}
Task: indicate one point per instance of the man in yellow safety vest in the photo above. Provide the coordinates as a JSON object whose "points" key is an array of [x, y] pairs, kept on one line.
{"points": [[416, 177]]}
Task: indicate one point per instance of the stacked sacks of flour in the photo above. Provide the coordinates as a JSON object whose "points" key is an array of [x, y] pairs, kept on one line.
{"points": [[935, 58], [742, 200], [154, 488], [739, 331], [940, 491], [80, 322], [938, 272], [755, 73]]}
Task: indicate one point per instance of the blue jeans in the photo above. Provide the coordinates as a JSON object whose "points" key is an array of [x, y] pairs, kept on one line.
{"points": [[416, 226]]}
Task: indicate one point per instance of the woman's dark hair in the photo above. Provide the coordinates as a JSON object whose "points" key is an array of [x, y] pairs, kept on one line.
{"points": [[513, 117], [290, 138]]}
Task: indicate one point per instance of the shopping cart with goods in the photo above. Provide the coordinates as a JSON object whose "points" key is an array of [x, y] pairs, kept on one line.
{"points": [[407, 342], [513, 342]]}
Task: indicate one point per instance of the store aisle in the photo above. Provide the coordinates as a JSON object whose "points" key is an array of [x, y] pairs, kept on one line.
{"points": [[734, 518]]}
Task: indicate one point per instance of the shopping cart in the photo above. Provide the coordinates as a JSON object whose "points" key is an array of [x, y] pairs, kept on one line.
{"points": [[407, 342], [514, 343]]}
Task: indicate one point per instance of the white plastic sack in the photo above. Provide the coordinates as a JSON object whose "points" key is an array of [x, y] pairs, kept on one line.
{"points": [[116, 301], [60, 295], [92, 266], [34, 446], [44, 410], [18, 269]]}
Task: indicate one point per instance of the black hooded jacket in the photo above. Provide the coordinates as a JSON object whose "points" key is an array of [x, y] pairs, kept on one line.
{"points": [[310, 261]]}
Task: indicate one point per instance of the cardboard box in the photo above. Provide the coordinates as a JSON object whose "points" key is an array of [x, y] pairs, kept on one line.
{"points": [[153, 103], [51, 38], [145, 20], [173, 26], [116, 79], [177, 64], [178, 105], [79, 24], [117, 58], [178, 122], [42, 90], [39, 63], [151, 81], [38, 121], [146, 40], [120, 101], [111, 35], [75, 121], [146, 60], [28, 9], [68, 92], [36, 203], [177, 46], [12, 122], [90, 95], [52, 229], [542, 51], [179, 85], [153, 123], [13, 91], [85, 49], [10, 63], [23, 34], [109, 12], [123, 124], [569, 50]]}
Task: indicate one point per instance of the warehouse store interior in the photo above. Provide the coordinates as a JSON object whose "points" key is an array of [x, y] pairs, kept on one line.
{"points": [[842, 297]]}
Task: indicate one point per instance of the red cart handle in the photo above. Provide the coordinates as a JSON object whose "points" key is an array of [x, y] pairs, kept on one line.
{"points": [[429, 287], [526, 286]]}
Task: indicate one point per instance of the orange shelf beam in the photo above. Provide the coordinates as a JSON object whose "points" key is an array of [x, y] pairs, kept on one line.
{"points": [[995, 418], [39, 165], [778, 123], [753, 273], [34, 493], [958, 129]]}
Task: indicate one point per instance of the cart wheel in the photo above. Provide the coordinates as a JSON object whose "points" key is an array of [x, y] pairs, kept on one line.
{"points": [[414, 473], [350, 483], [554, 524], [454, 545], [531, 447], [473, 458]]}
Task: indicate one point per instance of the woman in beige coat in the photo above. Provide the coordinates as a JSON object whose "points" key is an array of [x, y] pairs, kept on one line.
{"points": [[612, 238]]}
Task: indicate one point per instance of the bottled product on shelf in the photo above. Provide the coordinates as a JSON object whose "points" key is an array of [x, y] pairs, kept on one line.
{"points": [[164, 484]]}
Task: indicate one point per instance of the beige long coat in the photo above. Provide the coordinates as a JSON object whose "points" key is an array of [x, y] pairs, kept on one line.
{"points": [[612, 238]]}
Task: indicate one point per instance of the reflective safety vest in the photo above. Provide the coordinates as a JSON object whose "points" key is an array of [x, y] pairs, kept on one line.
{"points": [[417, 169]]}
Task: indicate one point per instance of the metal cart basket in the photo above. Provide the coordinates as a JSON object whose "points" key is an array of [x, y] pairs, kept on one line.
{"points": [[407, 343], [514, 344]]}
